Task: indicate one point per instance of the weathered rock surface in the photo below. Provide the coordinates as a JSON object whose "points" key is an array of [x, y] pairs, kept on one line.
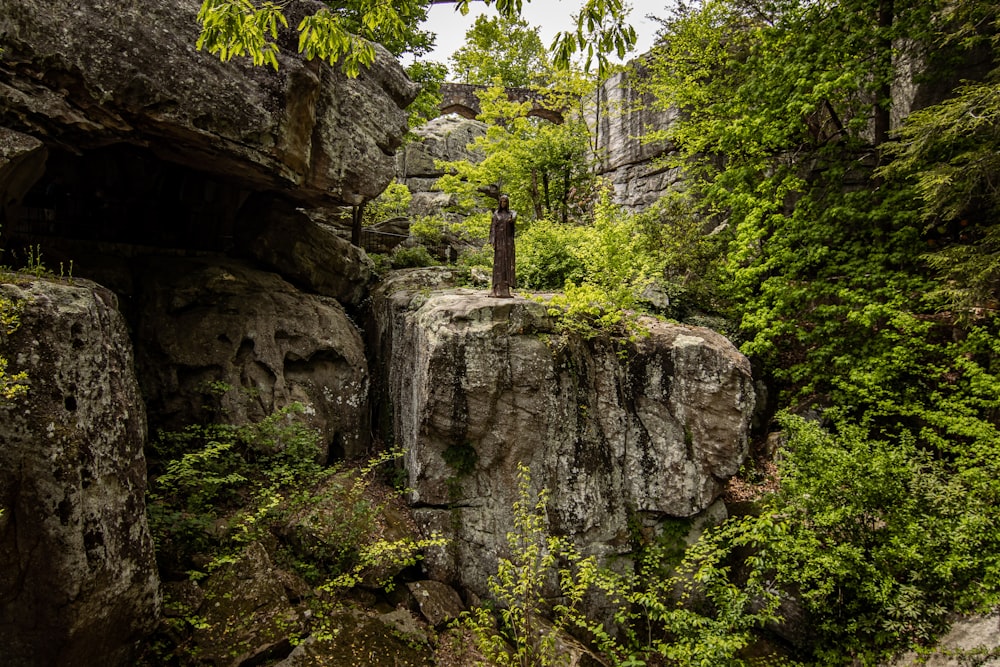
{"points": [[104, 72], [438, 602], [446, 138], [615, 430], [974, 640], [78, 582], [263, 342], [356, 638], [22, 162], [628, 161], [304, 251], [248, 615]]}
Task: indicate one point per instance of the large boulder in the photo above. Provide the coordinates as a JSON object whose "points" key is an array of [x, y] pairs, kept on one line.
{"points": [[103, 72], [78, 581], [623, 434], [217, 333]]}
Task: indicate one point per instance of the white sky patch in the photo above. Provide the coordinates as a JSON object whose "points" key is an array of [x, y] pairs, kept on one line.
{"points": [[551, 16]]}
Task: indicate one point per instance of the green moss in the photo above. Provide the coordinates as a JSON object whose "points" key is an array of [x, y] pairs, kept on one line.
{"points": [[461, 458]]}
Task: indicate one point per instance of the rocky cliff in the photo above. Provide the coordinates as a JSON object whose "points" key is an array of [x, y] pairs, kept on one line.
{"points": [[78, 581], [198, 195], [84, 76], [177, 181], [621, 433]]}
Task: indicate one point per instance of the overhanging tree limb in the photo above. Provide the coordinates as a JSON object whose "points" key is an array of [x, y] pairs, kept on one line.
{"points": [[340, 32]]}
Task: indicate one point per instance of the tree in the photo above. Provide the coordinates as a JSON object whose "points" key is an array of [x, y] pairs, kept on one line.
{"points": [[783, 139], [341, 31], [545, 167], [951, 151], [430, 75], [506, 52]]}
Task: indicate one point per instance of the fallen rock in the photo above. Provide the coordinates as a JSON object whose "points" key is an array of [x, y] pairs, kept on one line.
{"points": [[356, 638], [438, 602], [305, 252], [248, 617]]}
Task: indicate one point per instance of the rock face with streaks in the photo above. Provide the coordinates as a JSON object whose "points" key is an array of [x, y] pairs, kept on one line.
{"points": [[618, 431], [628, 162], [245, 342], [78, 581]]}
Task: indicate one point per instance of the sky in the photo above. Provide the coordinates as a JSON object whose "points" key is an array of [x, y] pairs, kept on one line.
{"points": [[551, 16]]}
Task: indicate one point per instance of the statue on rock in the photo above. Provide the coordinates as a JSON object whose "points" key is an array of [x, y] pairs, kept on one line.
{"points": [[502, 240]]}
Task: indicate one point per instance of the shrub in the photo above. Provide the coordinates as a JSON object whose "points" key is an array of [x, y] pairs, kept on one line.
{"points": [[12, 385], [880, 540], [546, 256], [393, 202]]}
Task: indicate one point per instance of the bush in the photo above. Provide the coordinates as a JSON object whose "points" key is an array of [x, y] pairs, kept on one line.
{"points": [[12, 385], [394, 202], [407, 258], [880, 541], [546, 256]]}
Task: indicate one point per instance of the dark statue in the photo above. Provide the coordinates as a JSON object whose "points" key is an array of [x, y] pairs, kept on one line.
{"points": [[502, 240]]}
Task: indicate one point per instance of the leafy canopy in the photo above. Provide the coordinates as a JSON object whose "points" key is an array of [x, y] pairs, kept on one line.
{"points": [[342, 30], [502, 51]]}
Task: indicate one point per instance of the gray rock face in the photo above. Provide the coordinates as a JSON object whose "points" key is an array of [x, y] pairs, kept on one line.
{"points": [[616, 431], [306, 252], [628, 160], [446, 138], [22, 162], [78, 582], [217, 321], [974, 640], [103, 72]]}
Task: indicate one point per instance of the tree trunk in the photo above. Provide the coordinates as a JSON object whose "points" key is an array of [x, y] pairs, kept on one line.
{"points": [[883, 103]]}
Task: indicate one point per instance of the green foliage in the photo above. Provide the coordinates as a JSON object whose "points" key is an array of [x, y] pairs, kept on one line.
{"points": [[430, 75], [501, 51], [407, 258], [950, 151], [12, 385], [886, 522], [216, 489], [511, 631], [257, 480], [428, 229], [238, 28], [545, 256], [544, 576], [339, 32], [880, 540], [604, 267], [342, 32], [588, 310], [543, 167], [601, 28], [393, 202]]}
